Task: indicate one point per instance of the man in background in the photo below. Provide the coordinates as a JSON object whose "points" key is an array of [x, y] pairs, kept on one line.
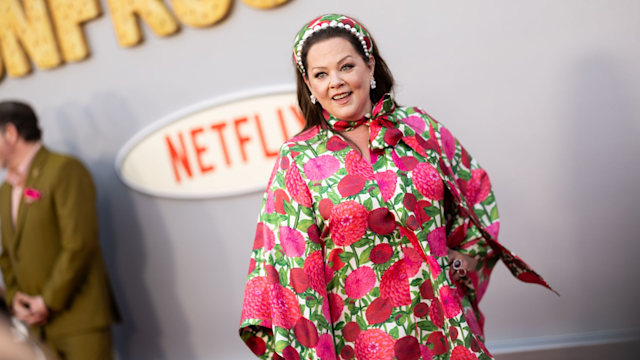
{"points": [[55, 277]]}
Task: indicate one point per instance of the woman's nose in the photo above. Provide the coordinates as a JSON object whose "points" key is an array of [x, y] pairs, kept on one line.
{"points": [[336, 80]]}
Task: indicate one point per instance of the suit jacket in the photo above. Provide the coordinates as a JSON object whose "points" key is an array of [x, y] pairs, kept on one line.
{"points": [[53, 249]]}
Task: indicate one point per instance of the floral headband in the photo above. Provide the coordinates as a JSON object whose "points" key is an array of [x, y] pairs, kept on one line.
{"points": [[326, 21]]}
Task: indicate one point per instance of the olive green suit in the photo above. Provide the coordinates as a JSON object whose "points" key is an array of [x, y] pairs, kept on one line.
{"points": [[53, 249]]}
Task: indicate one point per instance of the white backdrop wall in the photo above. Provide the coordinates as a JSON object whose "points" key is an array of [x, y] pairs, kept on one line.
{"points": [[546, 94]]}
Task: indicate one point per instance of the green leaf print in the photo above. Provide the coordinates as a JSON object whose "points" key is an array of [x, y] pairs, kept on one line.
{"points": [[346, 256], [322, 148], [271, 218], [289, 209], [494, 214], [282, 332], [362, 242], [280, 345], [307, 211], [335, 198], [351, 307], [303, 225], [467, 340], [335, 282], [489, 200], [401, 319], [298, 148], [280, 260], [364, 256], [464, 174], [319, 320], [312, 301], [378, 166], [427, 326], [318, 189], [284, 277], [432, 211], [368, 203]]}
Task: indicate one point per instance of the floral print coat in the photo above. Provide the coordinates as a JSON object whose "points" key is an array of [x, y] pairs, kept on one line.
{"points": [[350, 257]]}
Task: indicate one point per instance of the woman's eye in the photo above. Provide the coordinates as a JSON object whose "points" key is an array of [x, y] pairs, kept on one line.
{"points": [[347, 66], [320, 75]]}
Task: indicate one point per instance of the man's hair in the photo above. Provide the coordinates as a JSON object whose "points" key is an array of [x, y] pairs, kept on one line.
{"points": [[23, 117]]}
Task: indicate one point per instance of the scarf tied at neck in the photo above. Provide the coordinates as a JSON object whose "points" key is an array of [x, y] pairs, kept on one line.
{"points": [[383, 131]]}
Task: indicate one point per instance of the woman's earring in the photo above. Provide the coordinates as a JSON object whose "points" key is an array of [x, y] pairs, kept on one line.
{"points": [[313, 99], [373, 83]]}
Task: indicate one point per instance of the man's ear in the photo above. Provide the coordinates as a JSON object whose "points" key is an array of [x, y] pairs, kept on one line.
{"points": [[10, 133]]}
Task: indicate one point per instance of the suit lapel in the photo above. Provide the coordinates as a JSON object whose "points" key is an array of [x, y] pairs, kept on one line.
{"points": [[7, 223], [35, 172]]}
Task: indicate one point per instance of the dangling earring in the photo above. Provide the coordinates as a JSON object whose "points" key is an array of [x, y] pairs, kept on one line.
{"points": [[313, 99], [373, 83]]}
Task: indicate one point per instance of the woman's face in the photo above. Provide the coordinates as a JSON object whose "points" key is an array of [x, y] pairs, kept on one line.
{"points": [[339, 78]]}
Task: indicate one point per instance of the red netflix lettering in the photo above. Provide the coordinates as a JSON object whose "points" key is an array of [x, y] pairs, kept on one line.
{"points": [[200, 150], [178, 159], [193, 151], [242, 140], [267, 153], [219, 127]]}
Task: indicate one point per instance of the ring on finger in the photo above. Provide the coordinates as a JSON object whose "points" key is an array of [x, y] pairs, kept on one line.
{"points": [[456, 264]]}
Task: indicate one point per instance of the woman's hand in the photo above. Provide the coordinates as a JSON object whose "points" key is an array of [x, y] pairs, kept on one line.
{"points": [[461, 264]]}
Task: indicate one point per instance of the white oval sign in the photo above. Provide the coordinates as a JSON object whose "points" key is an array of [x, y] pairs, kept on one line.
{"points": [[218, 148]]}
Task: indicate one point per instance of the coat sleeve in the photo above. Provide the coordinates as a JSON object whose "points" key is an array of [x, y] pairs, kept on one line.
{"points": [[473, 221], [471, 197], [10, 283], [74, 202], [285, 307], [475, 226], [472, 209]]}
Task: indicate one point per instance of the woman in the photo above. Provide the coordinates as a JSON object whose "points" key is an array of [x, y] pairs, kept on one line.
{"points": [[378, 230]]}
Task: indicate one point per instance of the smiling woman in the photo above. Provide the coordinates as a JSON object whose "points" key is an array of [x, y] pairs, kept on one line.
{"points": [[339, 78], [378, 231]]}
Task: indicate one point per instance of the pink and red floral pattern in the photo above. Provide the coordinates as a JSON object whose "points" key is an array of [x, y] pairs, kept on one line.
{"points": [[374, 344], [359, 282], [350, 257]]}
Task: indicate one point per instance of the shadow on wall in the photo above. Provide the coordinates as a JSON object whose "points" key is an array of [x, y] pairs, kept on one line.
{"points": [[602, 153], [141, 267]]}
